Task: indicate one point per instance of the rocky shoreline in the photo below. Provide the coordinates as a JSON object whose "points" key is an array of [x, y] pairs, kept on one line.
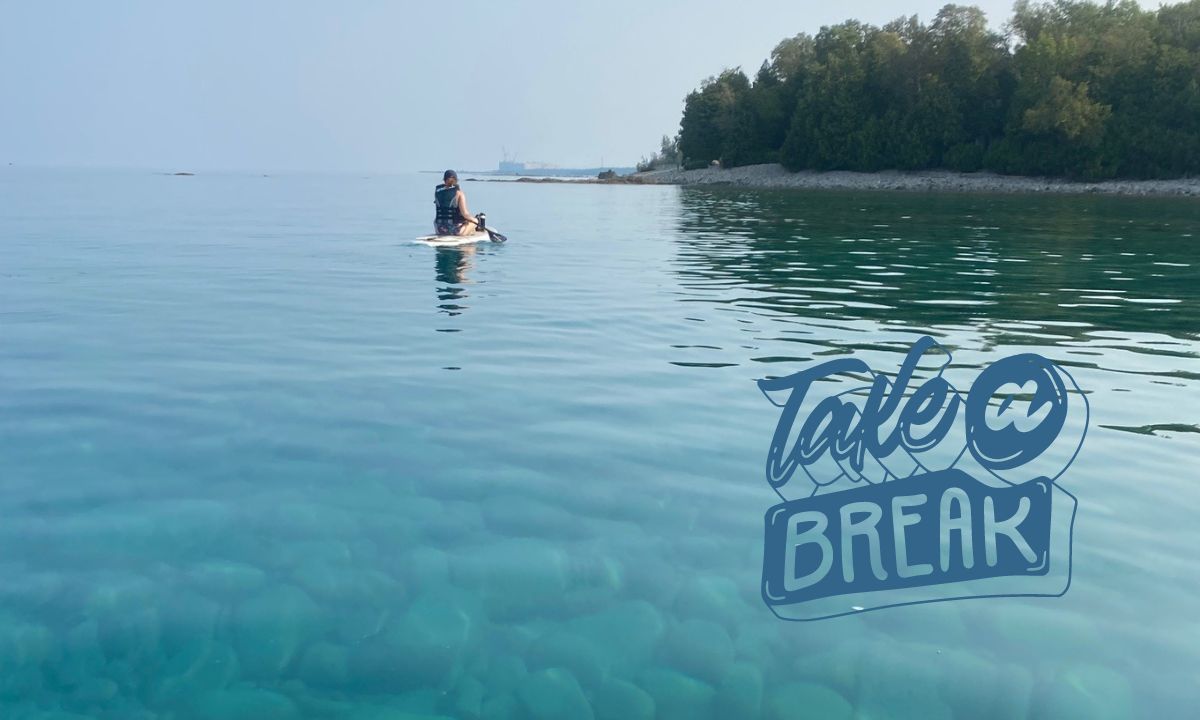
{"points": [[774, 176]]}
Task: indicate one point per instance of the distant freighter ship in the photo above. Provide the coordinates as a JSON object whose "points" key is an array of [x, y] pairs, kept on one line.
{"points": [[510, 167]]}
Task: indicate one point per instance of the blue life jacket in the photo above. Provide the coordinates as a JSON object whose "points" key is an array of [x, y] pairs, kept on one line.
{"points": [[446, 199]]}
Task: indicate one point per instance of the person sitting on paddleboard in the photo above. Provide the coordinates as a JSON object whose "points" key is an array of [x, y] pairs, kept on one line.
{"points": [[452, 216]]}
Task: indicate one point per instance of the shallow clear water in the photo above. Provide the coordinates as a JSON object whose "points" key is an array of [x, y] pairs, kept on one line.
{"points": [[261, 457]]}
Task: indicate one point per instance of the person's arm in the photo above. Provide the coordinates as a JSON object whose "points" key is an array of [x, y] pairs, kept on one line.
{"points": [[462, 208]]}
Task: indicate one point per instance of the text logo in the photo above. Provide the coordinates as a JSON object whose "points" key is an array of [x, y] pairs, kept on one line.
{"points": [[912, 491]]}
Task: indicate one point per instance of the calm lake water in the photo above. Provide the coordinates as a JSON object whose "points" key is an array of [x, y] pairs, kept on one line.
{"points": [[262, 457]]}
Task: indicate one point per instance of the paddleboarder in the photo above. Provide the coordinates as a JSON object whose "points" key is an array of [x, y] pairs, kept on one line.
{"points": [[452, 217]]}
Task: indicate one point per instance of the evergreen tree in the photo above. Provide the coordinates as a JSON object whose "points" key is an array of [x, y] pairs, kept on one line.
{"points": [[1073, 89]]}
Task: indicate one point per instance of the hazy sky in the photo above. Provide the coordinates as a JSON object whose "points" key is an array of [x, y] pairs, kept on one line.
{"points": [[373, 85]]}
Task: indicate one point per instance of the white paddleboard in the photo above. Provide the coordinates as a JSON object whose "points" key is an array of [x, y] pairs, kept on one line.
{"points": [[452, 240]]}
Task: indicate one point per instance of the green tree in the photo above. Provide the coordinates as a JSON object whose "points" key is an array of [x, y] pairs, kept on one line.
{"points": [[1073, 88], [710, 118]]}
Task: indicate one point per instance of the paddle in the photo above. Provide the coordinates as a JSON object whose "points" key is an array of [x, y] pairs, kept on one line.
{"points": [[495, 236]]}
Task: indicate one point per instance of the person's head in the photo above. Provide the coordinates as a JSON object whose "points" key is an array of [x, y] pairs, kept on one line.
{"points": [[450, 178]]}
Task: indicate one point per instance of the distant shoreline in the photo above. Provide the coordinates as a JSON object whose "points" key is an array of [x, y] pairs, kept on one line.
{"points": [[773, 176]]}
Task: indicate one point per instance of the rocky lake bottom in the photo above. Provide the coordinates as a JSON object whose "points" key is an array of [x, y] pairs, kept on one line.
{"points": [[265, 458]]}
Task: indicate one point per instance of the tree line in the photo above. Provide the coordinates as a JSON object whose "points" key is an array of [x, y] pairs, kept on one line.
{"points": [[1071, 88]]}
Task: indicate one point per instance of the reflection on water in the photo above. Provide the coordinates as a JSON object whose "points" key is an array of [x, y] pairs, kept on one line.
{"points": [[452, 266], [1111, 287], [238, 484], [1107, 286], [1015, 264]]}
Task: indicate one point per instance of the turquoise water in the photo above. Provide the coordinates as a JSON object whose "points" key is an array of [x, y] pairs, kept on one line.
{"points": [[264, 458]]}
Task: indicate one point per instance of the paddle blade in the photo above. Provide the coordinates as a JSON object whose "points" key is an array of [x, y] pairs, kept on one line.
{"points": [[495, 236]]}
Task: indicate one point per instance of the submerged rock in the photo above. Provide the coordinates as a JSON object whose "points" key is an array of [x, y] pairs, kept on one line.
{"points": [[53, 715], [356, 624], [504, 674], [700, 648], [94, 691], [198, 667], [567, 650], [621, 700], [325, 665], [920, 623], [653, 579], [801, 701], [241, 704], [593, 581], [763, 643], [288, 555], [414, 705], [972, 685], [711, 597], [424, 568], [226, 579], [22, 684], [308, 519], [468, 699], [126, 612], [185, 617], [423, 648], [836, 667], [25, 644], [500, 707], [134, 635], [516, 579], [81, 656], [626, 635], [676, 696], [271, 627], [1014, 692], [458, 523], [553, 694], [525, 578], [346, 586], [740, 693], [901, 682], [1091, 692], [520, 516], [1015, 627], [384, 712]]}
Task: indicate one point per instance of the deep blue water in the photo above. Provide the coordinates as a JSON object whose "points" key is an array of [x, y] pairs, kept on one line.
{"points": [[262, 457]]}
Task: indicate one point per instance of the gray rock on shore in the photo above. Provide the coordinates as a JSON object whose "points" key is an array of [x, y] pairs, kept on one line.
{"points": [[775, 176]]}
